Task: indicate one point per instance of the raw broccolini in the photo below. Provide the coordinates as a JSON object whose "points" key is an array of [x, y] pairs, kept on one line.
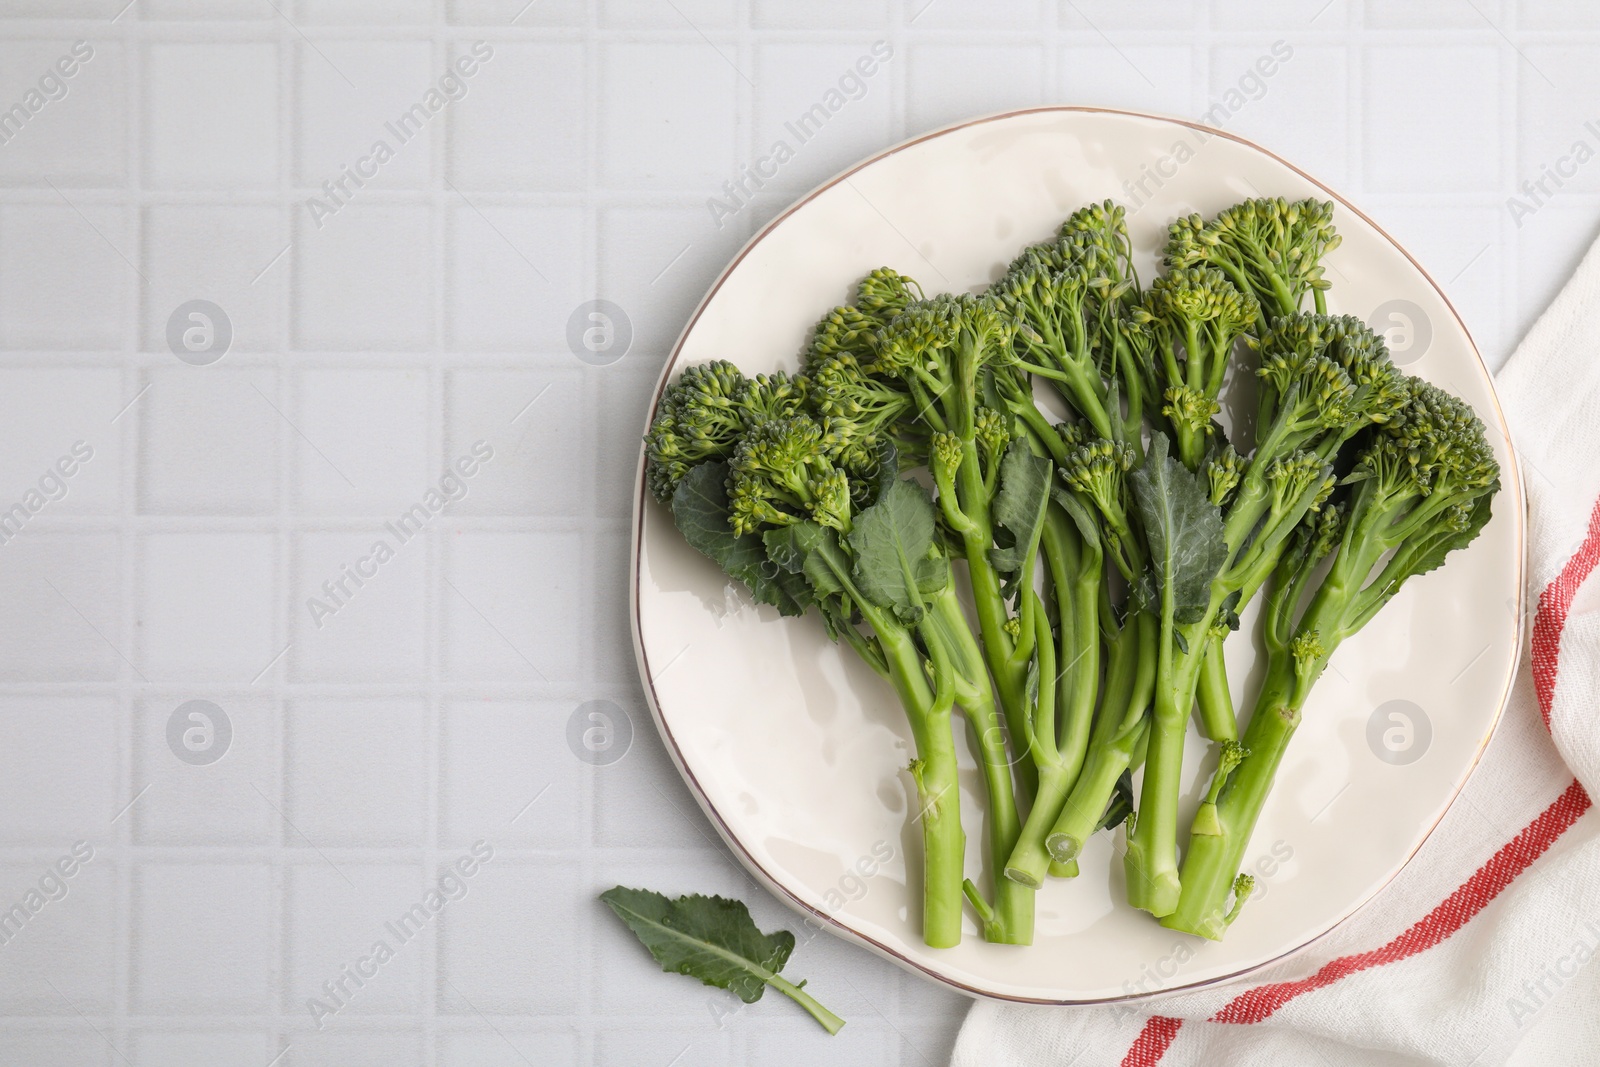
{"points": [[1107, 556], [798, 495], [1421, 488]]}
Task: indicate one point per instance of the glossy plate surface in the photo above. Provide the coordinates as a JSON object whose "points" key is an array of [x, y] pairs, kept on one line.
{"points": [[796, 751]]}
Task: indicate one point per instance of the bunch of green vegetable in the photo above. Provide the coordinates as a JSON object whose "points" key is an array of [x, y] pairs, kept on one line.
{"points": [[1105, 556]]}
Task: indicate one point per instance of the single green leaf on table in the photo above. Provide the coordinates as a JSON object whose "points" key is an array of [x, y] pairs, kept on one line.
{"points": [[1020, 504], [1184, 529], [715, 940], [897, 562], [709, 938], [700, 509]]}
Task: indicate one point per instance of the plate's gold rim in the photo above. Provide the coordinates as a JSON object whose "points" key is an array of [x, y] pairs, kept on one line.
{"points": [[1512, 475]]}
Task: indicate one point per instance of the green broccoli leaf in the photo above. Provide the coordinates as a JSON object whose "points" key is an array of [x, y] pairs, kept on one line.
{"points": [[1184, 529], [700, 508], [1228, 613], [1020, 504], [897, 562], [1419, 555], [1088, 526], [811, 550], [1121, 805], [1436, 548], [888, 469], [715, 940], [709, 938], [933, 573]]}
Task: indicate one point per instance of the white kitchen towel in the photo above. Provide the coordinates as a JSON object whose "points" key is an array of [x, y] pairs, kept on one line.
{"points": [[1481, 950]]}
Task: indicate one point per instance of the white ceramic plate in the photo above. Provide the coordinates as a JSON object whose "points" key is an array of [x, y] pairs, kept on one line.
{"points": [[796, 750]]}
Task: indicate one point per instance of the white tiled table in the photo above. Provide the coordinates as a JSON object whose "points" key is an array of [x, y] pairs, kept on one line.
{"points": [[375, 344]]}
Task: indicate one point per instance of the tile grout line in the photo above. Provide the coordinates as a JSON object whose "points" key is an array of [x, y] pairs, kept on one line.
{"points": [[1355, 103], [615, 197], [1511, 96], [440, 145], [130, 550], [287, 392], [674, 32], [588, 973]]}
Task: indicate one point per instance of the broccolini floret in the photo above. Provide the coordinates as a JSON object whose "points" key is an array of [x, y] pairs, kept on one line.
{"points": [[704, 414], [1270, 248]]}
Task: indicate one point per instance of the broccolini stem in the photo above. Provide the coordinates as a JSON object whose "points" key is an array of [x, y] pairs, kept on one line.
{"points": [[1086, 804], [926, 409], [866, 647], [1079, 659], [1133, 390], [1212, 860], [1130, 679], [1194, 357], [946, 625], [1042, 735], [1152, 858], [1010, 678], [1280, 294], [1040, 433], [1029, 605], [1252, 500], [830, 1022], [1063, 736], [1205, 817], [1029, 862], [1191, 444], [1220, 354], [1216, 718], [1012, 915], [938, 788], [1086, 395]]}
